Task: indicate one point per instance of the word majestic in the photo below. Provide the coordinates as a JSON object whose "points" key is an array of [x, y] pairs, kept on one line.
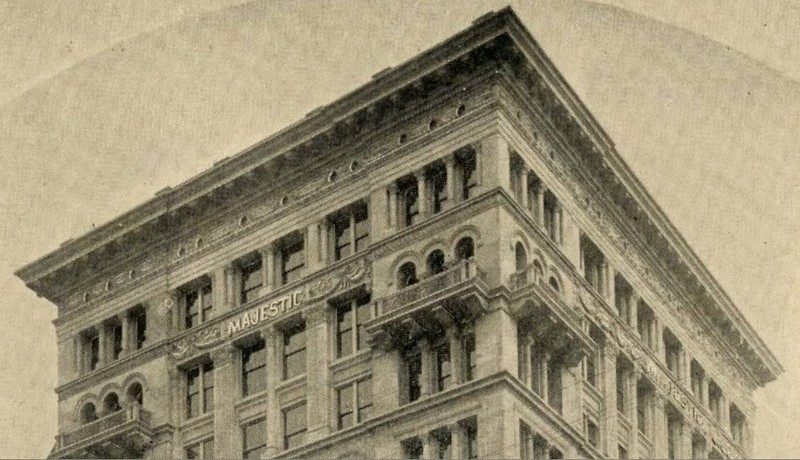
{"points": [[269, 310]]}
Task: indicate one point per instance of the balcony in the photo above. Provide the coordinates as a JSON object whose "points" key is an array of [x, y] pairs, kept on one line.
{"points": [[540, 309], [455, 296], [125, 433]]}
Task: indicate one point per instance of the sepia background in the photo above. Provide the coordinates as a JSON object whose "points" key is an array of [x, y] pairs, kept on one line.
{"points": [[104, 103]]}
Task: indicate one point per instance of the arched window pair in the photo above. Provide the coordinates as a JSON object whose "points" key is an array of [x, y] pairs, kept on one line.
{"points": [[521, 266], [407, 273], [111, 403]]}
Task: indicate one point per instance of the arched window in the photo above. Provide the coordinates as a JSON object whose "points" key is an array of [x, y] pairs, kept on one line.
{"points": [[435, 262], [111, 403], [520, 257], [135, 393], [553, 282], [88, 413], [465, 249], [407, 275]]}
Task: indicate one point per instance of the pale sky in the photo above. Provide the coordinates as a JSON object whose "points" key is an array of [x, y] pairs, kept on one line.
{"points": [[104, 103]]}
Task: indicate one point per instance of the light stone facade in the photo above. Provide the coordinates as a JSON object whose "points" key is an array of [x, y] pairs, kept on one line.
{"points": [[552, 310]]}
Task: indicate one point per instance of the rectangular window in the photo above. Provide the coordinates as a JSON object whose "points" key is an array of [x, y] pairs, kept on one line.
{"points": [[350, 230], [673, 438], [646, 324], [438, 180], [117, 339], [410, 197], [94, 350], [737, 424], [621, 393], [141, 328], [252, 280], [201, 450], [361, 226], [254, 439], [342, 244], [469, 175], [294, 352], [643, 401], [594, 265], [412, 448], [592, 431], [672, 353], [294, 426], [443, 443], [292, 262], [471, 356], [622, 452], [554, 397], [199, 390], [199, 305], [351, 316], [696, 377], [414, 369], [715, 400], [471, 432], [443, 367], [355, 402], [254, 368]]}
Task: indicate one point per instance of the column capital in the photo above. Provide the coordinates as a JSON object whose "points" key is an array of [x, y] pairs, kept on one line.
{"points": [[224, 354]]}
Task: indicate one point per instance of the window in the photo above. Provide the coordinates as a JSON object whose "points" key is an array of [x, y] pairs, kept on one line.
{"points": [[294, 426], [554, 397], [351, 316], [552, 217], [465, 249], [471, 434], [116, 331], [623, 298], [254, 439], [538, 371], [715, 400], [201, 450], [674, 429], [443, 367], [591, 361], [252, 279], [93, 340], [624, 370], [254, 368], [622, 452], [646, 324], [471, 357], [412, 448], [410, 198], [200, 390], [199, 304], [698, 446], [469, 174], [644, 400], [520, 264], [88, 413], [292, 258], [443, 443], [696, 377], [111, 403], [594, 265], [355, 402], [592, 431], [350, 230], [672, 353], [533, 446], [438, 180], [414, 369], [136, 393], [140, 322], [406, 275], [435, 262], [294, 352], [737, 424]]}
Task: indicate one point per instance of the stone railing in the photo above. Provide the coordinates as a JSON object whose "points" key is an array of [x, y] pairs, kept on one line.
{"points": [[460, 272], [133, 413]]}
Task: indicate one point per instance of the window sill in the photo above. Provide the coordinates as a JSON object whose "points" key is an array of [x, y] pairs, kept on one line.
{"points": [[197, 421], [291, 383], [252, 399], [352, 360]]}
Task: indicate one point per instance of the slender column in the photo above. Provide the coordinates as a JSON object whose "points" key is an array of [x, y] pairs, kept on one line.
{"points": [[457, 441], [231, 293], [456, 356], [659, 427], [429, 446], [608, 417], [177, 388], [704, 389], [393, 206], [123, 319], [318, 380], [685, 369], [545, 375], [422, 194], [686, 440], [524, 185], [557, 231], [634, 312], [494, 162], [540, 204], [725, 413], [450, 168], [274, 443], [266, 270], [227, 436], [633, 413], [80, 366], [314, 256], [657, 334]]}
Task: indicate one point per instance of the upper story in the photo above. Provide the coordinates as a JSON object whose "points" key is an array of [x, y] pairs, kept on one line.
{"points": [[480, 134]]}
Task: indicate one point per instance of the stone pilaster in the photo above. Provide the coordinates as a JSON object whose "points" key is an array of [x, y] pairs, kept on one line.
{"points": [[124, 320], [274, 444], [496, 344], [227, 433], [660, 435], [422, 194], [318, 380], [450, 169], [495, 162], [386, 380], [608, 385]]}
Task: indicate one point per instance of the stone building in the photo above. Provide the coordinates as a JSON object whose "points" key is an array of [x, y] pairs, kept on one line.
{"points": [[451, 261]]}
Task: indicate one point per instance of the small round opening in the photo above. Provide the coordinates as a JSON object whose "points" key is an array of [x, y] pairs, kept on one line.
{"points": [[181, 252], [198, 243], [243, 220], [108, 285], [284, 200], [354, 165], [132, 274], [403, 138], [460, 110], [432, 125], [333, 176]]}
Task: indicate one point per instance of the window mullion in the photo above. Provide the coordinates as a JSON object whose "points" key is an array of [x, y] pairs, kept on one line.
{"points": [[354, 336], [356, 414]]}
